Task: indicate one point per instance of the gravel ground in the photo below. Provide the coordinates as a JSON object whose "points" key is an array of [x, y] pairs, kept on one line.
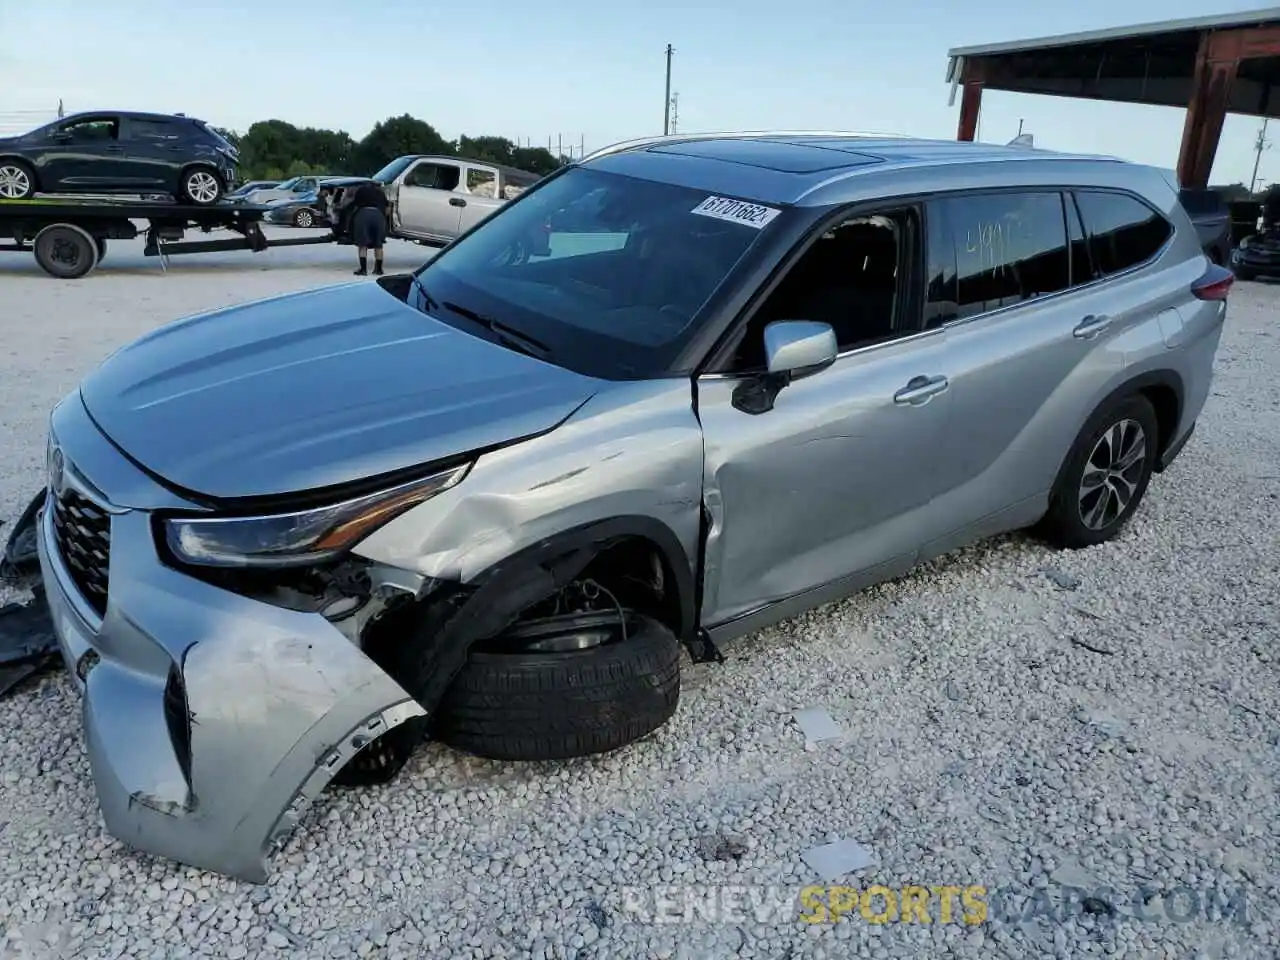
{"points": [[985, 743]]}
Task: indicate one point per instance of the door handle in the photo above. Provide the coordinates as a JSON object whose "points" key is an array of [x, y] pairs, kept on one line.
{"points": [[457, 202], [920, 390], [1090, 327]]}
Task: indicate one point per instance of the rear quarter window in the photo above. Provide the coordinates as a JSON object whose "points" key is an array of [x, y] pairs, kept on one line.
{"points": [[1123, 232]]}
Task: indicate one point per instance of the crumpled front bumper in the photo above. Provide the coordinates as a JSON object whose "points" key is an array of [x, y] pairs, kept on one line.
{"points": [[211, 720]]}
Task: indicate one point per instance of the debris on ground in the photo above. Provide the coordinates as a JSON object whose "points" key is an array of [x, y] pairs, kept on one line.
{"points": [[20, 560], [1065, 581], [27, 642], [817, 725], [722, 847], [833, 860]]}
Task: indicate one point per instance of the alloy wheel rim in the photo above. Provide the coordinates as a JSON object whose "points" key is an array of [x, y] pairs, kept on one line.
{"points": [[1112, 474], [202, 187], [14, 182], [304, 219]]}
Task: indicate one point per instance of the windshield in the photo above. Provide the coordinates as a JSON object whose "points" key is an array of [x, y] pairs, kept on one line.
{"points": [[392, 170], [608, 272], [288, 184]]}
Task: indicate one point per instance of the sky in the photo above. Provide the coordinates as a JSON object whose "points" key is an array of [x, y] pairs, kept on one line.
{"points": [[576, 72]]}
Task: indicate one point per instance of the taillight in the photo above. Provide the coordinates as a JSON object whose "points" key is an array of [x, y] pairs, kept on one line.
{"points": [[1215, 284]]}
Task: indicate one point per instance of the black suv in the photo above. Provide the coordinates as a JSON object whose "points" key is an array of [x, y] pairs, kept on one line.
{"points": [[119, 153]]}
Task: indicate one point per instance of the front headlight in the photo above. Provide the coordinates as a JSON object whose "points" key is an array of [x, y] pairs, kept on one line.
{"points": [[302, 537]]}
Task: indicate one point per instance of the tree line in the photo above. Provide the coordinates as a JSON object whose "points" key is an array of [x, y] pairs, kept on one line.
{"points": [[276, 149]]}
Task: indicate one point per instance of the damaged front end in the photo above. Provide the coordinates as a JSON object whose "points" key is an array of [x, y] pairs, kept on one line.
{"points": [[214, 712]]}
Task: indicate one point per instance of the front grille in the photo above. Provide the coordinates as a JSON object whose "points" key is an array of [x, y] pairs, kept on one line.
{"points": [[83, 532]]}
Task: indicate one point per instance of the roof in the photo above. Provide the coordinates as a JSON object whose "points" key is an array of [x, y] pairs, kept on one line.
{"points": [[1151, 63], [1248, 18], [132, 114], [512, 172], [784, 167]]}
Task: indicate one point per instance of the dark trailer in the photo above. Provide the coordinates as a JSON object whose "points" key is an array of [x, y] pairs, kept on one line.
{"points": [[1212, 66], [69, 235]]}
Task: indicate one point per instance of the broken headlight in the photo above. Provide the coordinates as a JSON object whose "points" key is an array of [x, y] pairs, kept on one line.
{"points": [[300, 537]]}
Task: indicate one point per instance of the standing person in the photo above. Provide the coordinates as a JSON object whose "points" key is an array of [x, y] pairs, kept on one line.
{"points": [[369, 225]]}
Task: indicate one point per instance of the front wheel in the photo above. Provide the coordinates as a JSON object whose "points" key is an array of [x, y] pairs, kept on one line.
{"points": [[564, 686], [304, 218], [201, 187], [1106, 475], [17, 182]]}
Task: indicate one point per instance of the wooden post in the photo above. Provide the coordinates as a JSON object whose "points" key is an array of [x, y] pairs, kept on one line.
{"points": [[970, 105], [970, 101], [1217, 63]]}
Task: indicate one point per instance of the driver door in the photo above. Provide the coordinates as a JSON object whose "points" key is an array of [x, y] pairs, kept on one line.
{"points": [[426, 204], [829, 489], [85, 154]]}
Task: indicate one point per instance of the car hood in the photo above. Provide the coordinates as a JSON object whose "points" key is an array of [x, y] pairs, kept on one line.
{"points": [[315, 389]]}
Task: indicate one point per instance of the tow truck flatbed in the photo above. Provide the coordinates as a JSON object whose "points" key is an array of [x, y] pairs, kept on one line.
{"points": [[69, 235]]}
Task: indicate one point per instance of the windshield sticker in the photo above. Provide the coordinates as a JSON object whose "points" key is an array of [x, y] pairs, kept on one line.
{"points": [[737, 211]]}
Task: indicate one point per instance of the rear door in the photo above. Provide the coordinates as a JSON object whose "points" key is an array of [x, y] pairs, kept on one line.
{"points": [[1033, 336], [429, 202], [483, 196], [153, 150]]}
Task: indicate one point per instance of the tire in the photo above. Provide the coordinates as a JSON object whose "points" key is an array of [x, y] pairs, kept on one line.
{"points": [[1071, 521], [201, 186], [1242, 274], [101, 244], [304, 218], [66, 251], [17, 181], [516, 704]]}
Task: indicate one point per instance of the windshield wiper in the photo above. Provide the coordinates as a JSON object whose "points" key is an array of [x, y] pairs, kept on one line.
{"points": [[508, 335]]}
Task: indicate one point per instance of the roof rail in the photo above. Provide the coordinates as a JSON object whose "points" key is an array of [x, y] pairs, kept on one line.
{"points": [[625, 145]]}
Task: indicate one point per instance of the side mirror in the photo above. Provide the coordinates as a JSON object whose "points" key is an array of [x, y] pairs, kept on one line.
{"points": [[792, 349], [799, 347]]}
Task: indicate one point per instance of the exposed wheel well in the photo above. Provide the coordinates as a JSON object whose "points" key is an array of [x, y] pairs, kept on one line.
{"points": [[639, 574], [1168, 409]]}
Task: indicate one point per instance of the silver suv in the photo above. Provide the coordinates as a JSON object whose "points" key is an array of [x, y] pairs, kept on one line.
{"points": [[676, 391]]}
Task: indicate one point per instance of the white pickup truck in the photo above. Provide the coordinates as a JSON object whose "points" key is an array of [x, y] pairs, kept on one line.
{"points": [[434, 199]]}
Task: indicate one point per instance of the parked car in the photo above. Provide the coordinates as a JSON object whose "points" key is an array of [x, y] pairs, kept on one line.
{"points": [[249, 186], [291, 189], [113, 152], [752, 375], [1211, 217], [315, 209], [435, 199]]}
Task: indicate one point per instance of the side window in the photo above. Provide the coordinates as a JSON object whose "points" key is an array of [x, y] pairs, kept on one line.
{"points": [[434, 176], [482, 182], [152, 130], [1009, 247], [1123, 231], [850, 277], [96, 130]]}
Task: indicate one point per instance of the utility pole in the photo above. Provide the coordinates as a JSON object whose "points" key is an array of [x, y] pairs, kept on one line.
{"points": [[582, 145], [560, 145], [1260, 145], [60, 112], [666, 100], [675, 112], [1019, 126]]}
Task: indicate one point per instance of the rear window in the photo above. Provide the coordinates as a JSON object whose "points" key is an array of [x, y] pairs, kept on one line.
{"points": [[609, 272]]}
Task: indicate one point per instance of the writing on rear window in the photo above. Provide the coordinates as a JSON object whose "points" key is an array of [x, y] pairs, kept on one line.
{"points": [[736, 211]]}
